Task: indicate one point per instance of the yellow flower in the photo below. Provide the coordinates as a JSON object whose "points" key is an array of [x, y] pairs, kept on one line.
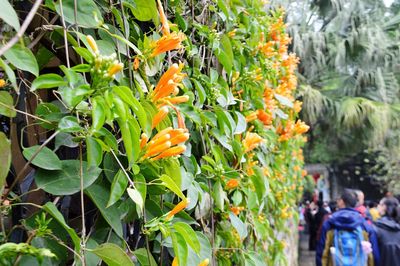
{"points": [[136, 63], [175, 262], [114, 69], [92, 43], [143, 140], [163, 19], [300, 127], [2, 83], [251, 141], [204, 262], [174, 151]]}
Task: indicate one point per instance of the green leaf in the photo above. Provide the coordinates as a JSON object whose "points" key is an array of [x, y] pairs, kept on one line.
{"points": [[258, 181], [171, 185], [69, 124], [142, 255], [85, 53], [53, 211], [22, 58], [173, 169], [224, 53], [189, 235], [45, 159], [88, 14], [127, 138], [94, 152], [112, 254], [8, 14], [219, 196], [238, 225], [135, 195], [241, 124], [5, 158], [99, 194], [127, 96], [10, 75], [118, 186], [48, 81], [143, 10], [141, 186], [98, 113], [7, 104], [180, 248], [67, 180]]}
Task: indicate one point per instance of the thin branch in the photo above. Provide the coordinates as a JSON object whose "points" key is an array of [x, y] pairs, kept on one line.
{"points": [[123, 169], [65, 34], [23, 28], [25, 113], [83, 235]]}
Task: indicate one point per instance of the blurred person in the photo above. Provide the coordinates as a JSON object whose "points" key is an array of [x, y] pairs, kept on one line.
{"points": [[373, 212], [360, 207], [346, 237], [388, 231]]}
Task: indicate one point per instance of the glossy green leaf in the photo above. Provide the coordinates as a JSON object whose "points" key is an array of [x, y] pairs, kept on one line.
{"points": [[171, 185], [84, 53], [45, 159], [48, 81], [69, 124], [67, 180], [141, 186], [142, 255], [127, 138], [284, 100], [5, 158], [258, 181], [238, 225], [180, 248], [98, 113], [22, 58], [8, 14], [112, 254], [241, 124], [88, 14], [99, 194], [127, 96], [53, 211], [135, 131], [7, 104], [10, 75], [49, 112], [137, 198], [189, 235], [94, 152], [118, 187], [143, 10], [219, 196]]}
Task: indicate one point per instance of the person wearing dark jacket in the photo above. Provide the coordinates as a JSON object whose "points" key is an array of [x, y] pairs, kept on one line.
{"points": [[388, 232], [346, 218]]}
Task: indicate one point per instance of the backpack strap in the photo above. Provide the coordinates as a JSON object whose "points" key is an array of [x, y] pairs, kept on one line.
{"points": [[326, 255]]}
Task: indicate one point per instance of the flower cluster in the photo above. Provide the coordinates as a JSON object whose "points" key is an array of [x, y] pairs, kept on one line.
{"points": [[103, 68], [165, 143]]}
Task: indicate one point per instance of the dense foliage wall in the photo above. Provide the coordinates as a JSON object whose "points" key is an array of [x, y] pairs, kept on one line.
{"points": [[153, 133]]}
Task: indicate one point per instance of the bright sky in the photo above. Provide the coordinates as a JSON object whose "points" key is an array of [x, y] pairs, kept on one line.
{"points": [[388, 2]]}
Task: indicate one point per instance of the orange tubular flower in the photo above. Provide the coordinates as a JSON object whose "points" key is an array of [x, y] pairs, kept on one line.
{"points": [[236, 210], [179, 207], [177, 100], [159, 116], [297, 106], [167, 43], [300, 127], [92, 43], [163, 132], [175, 262], [163, 18], [174, 151], [136, 63], [233, 183], [179, 139], [204, 262], [168, 82], [264, 117], [157, 149], [251, 141], [114, 69], [143, 140], [251, 117], [159, 141]]}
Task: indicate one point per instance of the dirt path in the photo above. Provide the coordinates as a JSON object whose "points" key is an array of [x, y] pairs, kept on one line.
{"points": [[306, 257]]}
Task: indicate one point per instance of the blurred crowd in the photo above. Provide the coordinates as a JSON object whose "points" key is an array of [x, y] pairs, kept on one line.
{"points": [[351, 231]]}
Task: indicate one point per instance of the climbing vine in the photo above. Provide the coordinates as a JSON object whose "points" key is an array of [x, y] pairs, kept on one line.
{"points": [[153, 133]]}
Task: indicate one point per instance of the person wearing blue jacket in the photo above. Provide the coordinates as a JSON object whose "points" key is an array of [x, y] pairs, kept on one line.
{"points": [[347, 219]]}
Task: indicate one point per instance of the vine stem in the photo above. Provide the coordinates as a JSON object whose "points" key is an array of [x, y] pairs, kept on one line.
{"points": [[23, 28], [65, 34], [20, 175], [123, 169], [24, 113], [83, 235]]}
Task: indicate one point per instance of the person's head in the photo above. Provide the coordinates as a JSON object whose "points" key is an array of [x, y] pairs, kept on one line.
{"points": [[372, 204], [360, 197], [389, 206], [348, 199]]}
